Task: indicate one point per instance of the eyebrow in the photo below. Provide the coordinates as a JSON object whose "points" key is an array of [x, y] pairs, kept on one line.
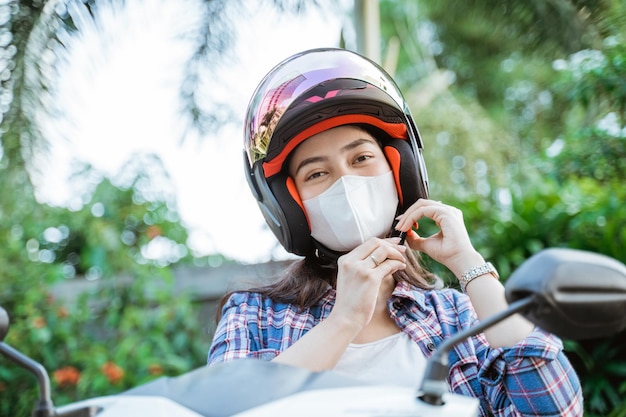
{"points": [[314, 159]]}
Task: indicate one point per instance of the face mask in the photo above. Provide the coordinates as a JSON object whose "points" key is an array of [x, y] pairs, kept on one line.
{"points": [[354, 209]]}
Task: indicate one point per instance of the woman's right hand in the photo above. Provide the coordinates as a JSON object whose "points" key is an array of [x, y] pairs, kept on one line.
{"points": [[363, 274], [361, 284]]}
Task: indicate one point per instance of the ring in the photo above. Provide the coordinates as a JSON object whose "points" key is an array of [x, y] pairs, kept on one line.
{"points": [[376, 262]]}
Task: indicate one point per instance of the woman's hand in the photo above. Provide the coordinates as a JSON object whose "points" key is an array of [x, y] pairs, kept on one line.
{"points": [[451, 245], [363, 277], [360, 277]]}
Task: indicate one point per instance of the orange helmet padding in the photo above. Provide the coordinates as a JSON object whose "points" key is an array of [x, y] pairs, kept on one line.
{"points": [[393, 157], [395, 130], [293, 191]]}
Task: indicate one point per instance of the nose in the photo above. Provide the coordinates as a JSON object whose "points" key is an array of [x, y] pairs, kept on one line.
{"points": [[343, 170], [345, 166]]}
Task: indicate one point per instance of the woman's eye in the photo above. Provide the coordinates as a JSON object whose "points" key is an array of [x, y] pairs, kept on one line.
{"points": [[314, 175], [362, 158]]}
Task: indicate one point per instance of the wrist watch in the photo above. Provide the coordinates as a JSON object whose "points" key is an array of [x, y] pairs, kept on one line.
{"points": [[477, 271]]}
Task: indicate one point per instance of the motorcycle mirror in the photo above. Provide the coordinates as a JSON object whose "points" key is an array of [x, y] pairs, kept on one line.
{"points": [[571, 293], [578, 294]]}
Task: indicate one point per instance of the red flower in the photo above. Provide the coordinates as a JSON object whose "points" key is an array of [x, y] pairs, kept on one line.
{"points": [[39, 322], [113, 372], [155, 369], [68, 376], [62, 312]]}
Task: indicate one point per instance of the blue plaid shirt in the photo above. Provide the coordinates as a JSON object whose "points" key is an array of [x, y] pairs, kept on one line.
{"points": [[532, 378]]}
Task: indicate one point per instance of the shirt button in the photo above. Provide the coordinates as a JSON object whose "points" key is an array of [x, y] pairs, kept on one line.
{"points": [[430, 346], [397, 305]]}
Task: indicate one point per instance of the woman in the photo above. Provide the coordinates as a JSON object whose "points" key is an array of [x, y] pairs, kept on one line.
{"points": [[335, 163]]}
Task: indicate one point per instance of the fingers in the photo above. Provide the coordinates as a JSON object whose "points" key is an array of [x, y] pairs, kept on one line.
{"points": [[378, 251], [384, 255], [431, 209], [386, 259], [450, 243], [419, 243]]}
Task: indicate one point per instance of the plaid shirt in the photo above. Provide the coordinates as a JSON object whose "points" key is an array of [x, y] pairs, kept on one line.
{"points": [[532, 378]]}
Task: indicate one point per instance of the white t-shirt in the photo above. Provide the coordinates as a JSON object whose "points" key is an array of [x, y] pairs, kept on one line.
{"points": [[393, 360]]}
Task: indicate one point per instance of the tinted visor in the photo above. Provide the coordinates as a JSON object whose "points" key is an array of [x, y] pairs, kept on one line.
{"points": [[293, 78]]}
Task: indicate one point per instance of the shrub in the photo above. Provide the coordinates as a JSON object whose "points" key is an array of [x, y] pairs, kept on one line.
{"points": [[134, 328]]}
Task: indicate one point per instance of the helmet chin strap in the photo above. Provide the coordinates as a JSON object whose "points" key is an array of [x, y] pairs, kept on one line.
{"points": [[327, 258]]}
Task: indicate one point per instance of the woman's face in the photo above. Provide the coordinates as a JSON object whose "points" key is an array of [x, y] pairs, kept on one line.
{"points": [[322, 159]]}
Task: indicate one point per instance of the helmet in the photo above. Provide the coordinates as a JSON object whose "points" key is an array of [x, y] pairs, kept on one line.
{"points": [[308, 93]]}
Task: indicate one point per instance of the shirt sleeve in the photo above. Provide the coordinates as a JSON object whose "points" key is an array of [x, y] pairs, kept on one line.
{"points": [[532, 378], [238, 333]]}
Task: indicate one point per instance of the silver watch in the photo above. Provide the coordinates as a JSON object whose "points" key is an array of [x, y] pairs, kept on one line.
{"points": [[477, 271]]}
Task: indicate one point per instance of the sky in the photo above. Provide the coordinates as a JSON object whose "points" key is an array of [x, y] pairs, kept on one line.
{"points": [[119, 91]]}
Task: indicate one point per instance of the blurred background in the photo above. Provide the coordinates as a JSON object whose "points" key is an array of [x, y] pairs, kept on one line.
{"points": [[124, 212]]}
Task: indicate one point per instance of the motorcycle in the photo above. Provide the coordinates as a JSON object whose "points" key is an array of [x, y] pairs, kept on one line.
{"points": [[571, 293]]}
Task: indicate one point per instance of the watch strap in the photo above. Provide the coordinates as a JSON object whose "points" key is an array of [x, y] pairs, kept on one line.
{"points": [[477, 271]]}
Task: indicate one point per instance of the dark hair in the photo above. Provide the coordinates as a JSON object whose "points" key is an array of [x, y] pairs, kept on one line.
{"points": [[305, 282]]}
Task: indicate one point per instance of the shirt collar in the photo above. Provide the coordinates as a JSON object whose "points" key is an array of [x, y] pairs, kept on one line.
{"points": [[404, 290]]}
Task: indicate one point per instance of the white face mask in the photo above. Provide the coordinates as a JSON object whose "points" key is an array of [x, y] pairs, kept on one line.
{"points": [[354, 209]]}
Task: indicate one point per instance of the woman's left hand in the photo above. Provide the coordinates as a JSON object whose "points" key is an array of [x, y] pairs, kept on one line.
{"points": [[451, 245]]}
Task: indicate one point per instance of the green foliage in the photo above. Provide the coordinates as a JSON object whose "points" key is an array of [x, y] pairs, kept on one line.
{"points": [[133, 328], [587, 153], [548, 80], [580, 213], [112, 340], [596, 77], [602, 366]]}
